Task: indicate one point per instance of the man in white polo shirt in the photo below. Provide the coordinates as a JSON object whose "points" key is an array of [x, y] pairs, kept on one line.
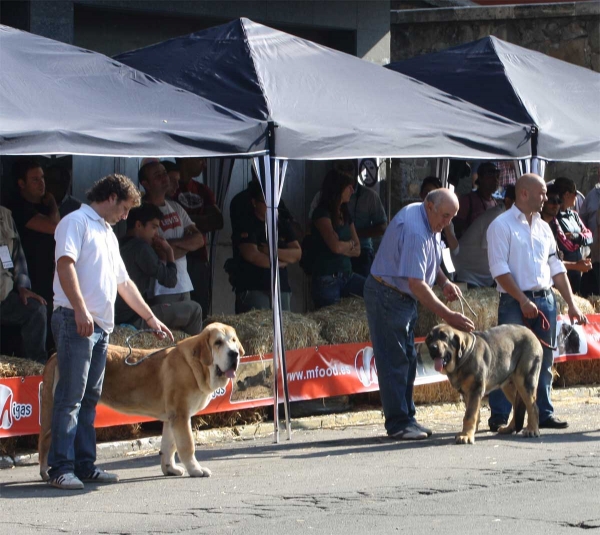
{"points": [[523, 260], [89, 273]]}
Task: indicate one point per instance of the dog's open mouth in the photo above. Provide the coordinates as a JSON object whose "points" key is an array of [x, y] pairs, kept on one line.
{"points": [[230, 373], [439, 363]]}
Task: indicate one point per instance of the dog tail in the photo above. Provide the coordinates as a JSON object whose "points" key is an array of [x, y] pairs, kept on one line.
{"points": [[519, 413]]}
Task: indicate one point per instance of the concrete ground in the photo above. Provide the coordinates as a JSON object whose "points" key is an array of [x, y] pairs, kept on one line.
{"points": [[338, 474]]}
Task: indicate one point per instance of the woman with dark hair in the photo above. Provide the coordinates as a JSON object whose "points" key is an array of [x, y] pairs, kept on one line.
{"points": [[576, 233], [335, 243]]}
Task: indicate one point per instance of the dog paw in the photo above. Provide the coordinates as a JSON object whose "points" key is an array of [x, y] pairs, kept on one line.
{"points": [[464, 438], [173, 470], [506, 430], [200, 472], [531, 433]]}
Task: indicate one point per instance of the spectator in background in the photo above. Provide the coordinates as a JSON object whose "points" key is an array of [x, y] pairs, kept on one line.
{"points": [[549, 212], [473, 204], [36, 215], [175, 226], [253, 281], [19, 306], [335, 242], [367, 213], [174, 177], [58, 183], [149, 259], [471, 256], [199, 202], [576, 233], [590, 283]]}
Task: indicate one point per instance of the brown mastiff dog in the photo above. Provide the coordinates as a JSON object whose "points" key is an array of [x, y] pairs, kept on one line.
{"points": [[170, 385], [507, 357]]}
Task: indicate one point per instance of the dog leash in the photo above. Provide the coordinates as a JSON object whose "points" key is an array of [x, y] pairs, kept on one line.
{"points": [[137, 333], [462, 300], [545, 327]]}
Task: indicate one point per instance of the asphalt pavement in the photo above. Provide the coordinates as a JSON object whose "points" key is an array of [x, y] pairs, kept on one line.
{"points": [[336, 476]]}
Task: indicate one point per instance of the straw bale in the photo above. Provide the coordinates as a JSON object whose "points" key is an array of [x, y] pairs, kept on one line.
{"points": [[484, 301], [441, 392], [583, 304], [255, 330], [595, 302], [577, 372], [344, 323], [143, 340], [17, 367], [118, 432]]}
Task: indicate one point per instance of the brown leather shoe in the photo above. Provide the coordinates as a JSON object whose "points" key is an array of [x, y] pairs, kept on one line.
{"points": [[553, 423]]}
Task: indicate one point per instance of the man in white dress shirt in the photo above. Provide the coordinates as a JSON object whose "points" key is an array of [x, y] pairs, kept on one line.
{"points": [[524, 263]]}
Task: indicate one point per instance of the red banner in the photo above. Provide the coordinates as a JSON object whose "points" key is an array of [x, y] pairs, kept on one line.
{"points": [[312, 373]]}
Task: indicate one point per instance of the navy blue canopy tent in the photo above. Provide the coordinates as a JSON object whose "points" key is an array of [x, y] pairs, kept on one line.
{"points": [[561, 101], [59, 99]]}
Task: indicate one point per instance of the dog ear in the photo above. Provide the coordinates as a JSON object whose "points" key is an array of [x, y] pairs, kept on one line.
{"points": [[240, 348], [206, 357], [459, 345]]}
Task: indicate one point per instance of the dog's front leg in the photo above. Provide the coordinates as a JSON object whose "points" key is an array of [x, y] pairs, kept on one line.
{"points": [[184, 439], [167, 452], [471, 419]]}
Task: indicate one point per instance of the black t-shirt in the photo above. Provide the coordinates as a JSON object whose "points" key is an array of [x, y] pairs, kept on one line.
{"points": [[37, 246], [251, 277]]}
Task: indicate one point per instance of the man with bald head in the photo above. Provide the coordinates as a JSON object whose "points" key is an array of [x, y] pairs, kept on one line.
{"points": [[407, 265], [524, 263]]}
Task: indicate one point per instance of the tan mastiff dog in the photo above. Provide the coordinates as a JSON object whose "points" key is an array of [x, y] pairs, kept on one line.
{"points": [[170, 385], [507, 357]]}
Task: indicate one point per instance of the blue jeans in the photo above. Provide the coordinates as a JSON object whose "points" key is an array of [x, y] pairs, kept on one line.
{"points": [[509, 311], [329, 289], [81, 363], [392, 317]]}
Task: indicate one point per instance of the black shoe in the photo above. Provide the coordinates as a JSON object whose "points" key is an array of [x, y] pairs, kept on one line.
{"points": [[553, 423], [496, 422]]}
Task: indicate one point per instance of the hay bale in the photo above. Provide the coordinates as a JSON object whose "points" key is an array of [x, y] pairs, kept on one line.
{"points": [[17, 367], [484, 301], [255, 330], [143, 340], [577, 372], [583, 304], [441, 392], [344, 323], [595, 302]]}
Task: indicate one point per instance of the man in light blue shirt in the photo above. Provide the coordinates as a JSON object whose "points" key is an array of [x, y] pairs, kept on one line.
{"points": [[407, 265]]}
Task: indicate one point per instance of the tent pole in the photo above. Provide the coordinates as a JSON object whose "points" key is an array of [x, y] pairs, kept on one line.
{"points": [[535, 164], [278, 339]]}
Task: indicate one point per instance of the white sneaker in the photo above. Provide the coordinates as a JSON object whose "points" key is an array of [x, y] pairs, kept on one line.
{"points": [[67, 481], [410, 432], [100, 476]]}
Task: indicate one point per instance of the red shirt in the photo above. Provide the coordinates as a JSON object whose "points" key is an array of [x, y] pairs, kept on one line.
{"points": [[195, 197]]}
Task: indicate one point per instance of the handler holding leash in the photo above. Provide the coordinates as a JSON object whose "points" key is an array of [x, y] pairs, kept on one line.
{"points": [[89, 273], [524, 263], [407, 265]]}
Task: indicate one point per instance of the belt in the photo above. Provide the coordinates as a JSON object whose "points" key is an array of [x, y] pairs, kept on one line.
{"points": [[538, 293], [381, 281]]}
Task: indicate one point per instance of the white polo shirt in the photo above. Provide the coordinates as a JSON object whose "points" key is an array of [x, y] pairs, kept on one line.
{"points": [[527, 252], [90, 241]]}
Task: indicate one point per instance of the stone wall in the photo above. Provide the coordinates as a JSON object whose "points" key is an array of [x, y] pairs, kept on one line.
{"points": [[569, 31]]}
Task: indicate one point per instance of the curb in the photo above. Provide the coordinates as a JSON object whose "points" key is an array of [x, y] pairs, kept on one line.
{"points": [[151, 445]]}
